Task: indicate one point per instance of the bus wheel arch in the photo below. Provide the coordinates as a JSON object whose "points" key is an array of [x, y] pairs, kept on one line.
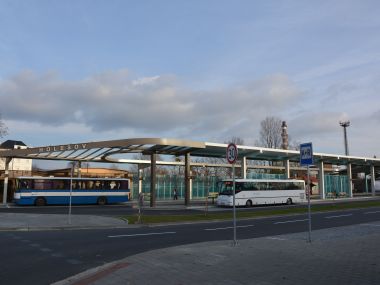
{"points": [[40, 201], [102, 200], [248, 203], [289, 201]]}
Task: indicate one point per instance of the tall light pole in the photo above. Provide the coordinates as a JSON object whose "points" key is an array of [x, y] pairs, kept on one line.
{"points": [[345, 124]]}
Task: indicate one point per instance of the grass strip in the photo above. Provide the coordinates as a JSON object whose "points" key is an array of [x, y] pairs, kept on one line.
{"points": [[211, 216]]}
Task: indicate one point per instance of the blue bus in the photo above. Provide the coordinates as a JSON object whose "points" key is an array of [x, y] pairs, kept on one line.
{"points": [[40, 191]]}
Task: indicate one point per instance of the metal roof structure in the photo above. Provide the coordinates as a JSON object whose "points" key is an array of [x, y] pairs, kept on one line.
{"points": [[115, 151], [105, 151], [112, 151], [271, 154]]}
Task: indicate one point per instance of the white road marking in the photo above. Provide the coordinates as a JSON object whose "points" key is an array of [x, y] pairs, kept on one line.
{"points": [[147, 234], [226, 228], [339, 216], [276, 238], [371, 225], [374, 212], [291, 221]]}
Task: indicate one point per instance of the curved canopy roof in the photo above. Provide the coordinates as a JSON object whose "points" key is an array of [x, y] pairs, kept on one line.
{"points": [[113, 150]]}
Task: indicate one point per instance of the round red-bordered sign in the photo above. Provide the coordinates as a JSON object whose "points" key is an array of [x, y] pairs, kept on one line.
{"points": [[232, 153]]}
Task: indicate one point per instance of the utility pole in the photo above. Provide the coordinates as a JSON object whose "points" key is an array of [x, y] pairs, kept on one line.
{"points": [[345, 124]]}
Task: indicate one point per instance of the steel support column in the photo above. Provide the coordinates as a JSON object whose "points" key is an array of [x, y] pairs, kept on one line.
{"points": [[321, 182], [187, 179], [153, 179], [244, 167], [349, 175], [287, 168], [79, 169], [373, 178], [6, 177], [140, 179]]}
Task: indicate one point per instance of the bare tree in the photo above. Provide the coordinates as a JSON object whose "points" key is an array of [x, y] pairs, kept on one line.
{"points": [[3, 128], [235, 140], [294, 145], [146, 168], [270, 132]]}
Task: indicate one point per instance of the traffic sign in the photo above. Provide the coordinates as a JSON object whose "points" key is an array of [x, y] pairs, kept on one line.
{"points": [[306, 154], [232, 153], [306, 159]]}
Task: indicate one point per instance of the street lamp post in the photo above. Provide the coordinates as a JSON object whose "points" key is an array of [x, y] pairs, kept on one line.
{"points": [[345, 124]]}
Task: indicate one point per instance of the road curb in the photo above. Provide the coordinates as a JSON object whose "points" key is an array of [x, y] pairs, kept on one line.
{"points": [[89, 275], [31, 229]]}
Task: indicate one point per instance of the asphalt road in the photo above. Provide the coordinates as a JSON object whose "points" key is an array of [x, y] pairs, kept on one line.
{"points": [[43, 257]]}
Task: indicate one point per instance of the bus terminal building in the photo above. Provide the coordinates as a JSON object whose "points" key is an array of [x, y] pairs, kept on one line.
{"points": [[333, 174]]}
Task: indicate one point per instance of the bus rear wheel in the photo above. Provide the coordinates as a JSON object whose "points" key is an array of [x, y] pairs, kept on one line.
{"points": [[248, 203], [289, 201], [102, 200], [40, 201]]}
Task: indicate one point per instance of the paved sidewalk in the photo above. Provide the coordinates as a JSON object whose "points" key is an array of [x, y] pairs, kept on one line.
{"points": [[344, 255], [30, 222]]}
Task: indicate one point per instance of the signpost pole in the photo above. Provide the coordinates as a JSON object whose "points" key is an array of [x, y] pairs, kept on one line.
{"points": [[232, 154], [306, 159], [71, 191], [234, 208], [308, 201]]}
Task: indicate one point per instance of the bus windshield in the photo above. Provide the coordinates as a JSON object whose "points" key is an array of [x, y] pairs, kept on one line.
{"points": [[225, 187]]}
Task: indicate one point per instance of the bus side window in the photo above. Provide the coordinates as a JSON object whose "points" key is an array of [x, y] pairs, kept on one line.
{"points": [[58, 184], [281, 186], [24, 184], [261, 186], [252, 186], [121, 185], [300, 186], [90, 184]]}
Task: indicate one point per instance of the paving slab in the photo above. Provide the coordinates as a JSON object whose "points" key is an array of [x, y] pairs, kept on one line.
{"points": [[344, 255]]}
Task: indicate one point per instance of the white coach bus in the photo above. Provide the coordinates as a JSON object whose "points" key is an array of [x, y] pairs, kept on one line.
{"points": [[250, 192]]}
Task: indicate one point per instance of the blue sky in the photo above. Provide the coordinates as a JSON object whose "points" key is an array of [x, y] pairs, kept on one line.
{"points": [[76, 71]]}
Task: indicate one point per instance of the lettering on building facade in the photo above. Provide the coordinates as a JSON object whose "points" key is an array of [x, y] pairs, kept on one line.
{"points": [[66, 147]]}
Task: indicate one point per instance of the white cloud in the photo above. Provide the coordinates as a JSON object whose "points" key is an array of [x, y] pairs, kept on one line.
{"points": [[115, 101], [145, 80], [45, 109]]}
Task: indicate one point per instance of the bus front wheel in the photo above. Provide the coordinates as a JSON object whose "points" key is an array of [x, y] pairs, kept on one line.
{"points": [[102, 200], [289, 201], [248, 203], [40, 202]]}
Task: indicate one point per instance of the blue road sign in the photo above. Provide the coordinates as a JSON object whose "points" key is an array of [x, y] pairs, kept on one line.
{"points": [[306, 154]]}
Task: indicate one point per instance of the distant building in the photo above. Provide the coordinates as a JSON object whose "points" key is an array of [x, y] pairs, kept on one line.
{"points": [[17, 166]]}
